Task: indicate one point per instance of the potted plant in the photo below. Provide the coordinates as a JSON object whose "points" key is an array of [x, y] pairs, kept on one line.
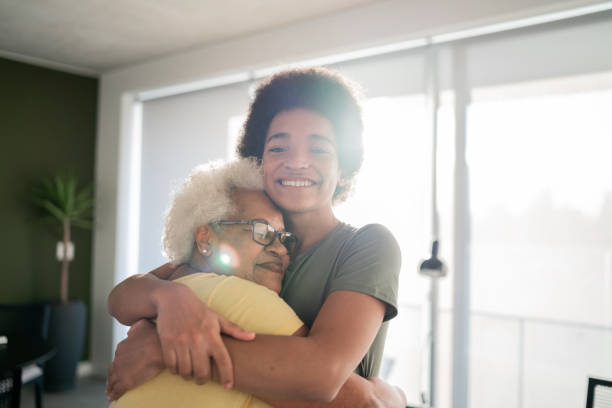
{"points": [[61, 202]]}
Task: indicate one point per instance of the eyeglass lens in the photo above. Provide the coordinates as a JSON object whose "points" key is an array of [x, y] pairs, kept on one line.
{"points": [[265, 235], [261, 233]]}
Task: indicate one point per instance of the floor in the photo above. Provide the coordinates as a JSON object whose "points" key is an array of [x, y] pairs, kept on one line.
{"points": [[89, 393]]}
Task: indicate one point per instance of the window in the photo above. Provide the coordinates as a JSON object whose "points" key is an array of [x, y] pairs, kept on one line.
{"points": [[541, 273], [536, 106]]}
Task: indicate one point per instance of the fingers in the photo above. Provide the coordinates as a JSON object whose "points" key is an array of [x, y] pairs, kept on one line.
{"points": [[137, 358], [188, 351], [116, 390], [201, 368], [177, 357], [141, 324], [112, 393], [170, 360], [183, 357], [107, 389], [114, 387], [201, 364], [195, 361], [224, 364], [235, 331]]}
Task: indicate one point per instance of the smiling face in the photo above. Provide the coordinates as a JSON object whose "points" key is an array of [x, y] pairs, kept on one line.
{"points": [[300, 161], [235, 251]]}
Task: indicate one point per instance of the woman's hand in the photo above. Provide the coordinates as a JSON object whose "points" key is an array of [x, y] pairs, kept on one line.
{"points": [[190, 335], [137, 359], [387, 395]]}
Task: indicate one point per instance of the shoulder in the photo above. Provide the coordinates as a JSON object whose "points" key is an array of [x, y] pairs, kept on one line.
{"points": [[375, 232], [212, 286], [239, 286], [369, 262], [254, 307], [375, 240]]}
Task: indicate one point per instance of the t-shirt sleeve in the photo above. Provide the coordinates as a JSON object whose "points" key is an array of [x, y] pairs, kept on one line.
{"points": [[370, 263], [253, 307]]}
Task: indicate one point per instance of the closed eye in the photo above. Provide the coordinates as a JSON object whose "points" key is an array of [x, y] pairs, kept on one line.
{"points": [[319, 150]]}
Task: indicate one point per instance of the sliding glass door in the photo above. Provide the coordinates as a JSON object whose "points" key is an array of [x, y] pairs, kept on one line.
{"points": [[526, 312]]}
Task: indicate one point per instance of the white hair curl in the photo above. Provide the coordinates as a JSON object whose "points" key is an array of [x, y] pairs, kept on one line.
{"points": [[205, 197]]}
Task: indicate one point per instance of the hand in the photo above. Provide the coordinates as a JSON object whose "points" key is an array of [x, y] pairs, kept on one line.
{"points": [[387, 395], [138, 358], [190, 335]]}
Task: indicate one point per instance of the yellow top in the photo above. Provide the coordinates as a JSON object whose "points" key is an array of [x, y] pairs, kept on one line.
{"points": [[247, 304]]}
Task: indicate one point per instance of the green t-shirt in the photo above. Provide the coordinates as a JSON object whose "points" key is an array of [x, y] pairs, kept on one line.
{"points": [[365, 260]]}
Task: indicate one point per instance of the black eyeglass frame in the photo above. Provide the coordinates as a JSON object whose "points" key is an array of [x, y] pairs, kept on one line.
{"points": [[283, 236]]}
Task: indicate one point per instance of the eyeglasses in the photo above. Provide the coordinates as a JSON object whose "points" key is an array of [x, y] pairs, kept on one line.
{"points": [[265, 234]]}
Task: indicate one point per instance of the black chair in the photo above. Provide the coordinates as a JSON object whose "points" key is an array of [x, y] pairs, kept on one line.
{"points": [[599, 393], [10, 387], [28, 320]]}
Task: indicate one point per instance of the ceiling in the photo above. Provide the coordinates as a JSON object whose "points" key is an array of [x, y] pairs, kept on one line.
{"points": [[100, 35]]}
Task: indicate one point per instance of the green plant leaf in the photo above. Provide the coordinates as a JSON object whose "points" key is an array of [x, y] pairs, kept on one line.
{"points": [[54, 210], [61, 199], [82, 206], [86, 193], [59, 191], [70, 195]]}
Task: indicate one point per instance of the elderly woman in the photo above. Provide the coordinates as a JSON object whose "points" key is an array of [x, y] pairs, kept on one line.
{"points": [[236, 236]]}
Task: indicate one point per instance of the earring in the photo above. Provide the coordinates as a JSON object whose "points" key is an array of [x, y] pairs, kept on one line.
{"points": [[206, 251]]}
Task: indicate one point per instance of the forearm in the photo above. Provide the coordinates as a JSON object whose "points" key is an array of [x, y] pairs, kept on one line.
{"points": [[283, 367], [315, 367], [137, 297], [138, 358], [357, 392]]}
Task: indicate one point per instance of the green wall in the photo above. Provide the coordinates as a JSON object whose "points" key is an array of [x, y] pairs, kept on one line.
{"points": [[47, 126]]}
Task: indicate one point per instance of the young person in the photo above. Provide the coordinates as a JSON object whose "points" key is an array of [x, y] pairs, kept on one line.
{"points": [[304, 127]]}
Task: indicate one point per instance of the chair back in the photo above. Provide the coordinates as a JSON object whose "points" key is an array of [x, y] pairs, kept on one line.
{"points": [[25, 319], [599, 393]]}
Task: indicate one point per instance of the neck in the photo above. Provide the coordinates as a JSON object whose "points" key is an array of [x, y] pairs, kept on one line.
{"points": [[310, 227], [199, 263]]}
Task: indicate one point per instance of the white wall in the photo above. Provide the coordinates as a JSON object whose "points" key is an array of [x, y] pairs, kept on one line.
{"points": [[117, 172], [178, 133]]}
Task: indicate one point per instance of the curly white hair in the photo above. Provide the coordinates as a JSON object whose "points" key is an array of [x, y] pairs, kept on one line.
{"points": [[205, 197]]}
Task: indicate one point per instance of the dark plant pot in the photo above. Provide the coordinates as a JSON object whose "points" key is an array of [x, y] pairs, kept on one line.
{"points": [[67, 335]]}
